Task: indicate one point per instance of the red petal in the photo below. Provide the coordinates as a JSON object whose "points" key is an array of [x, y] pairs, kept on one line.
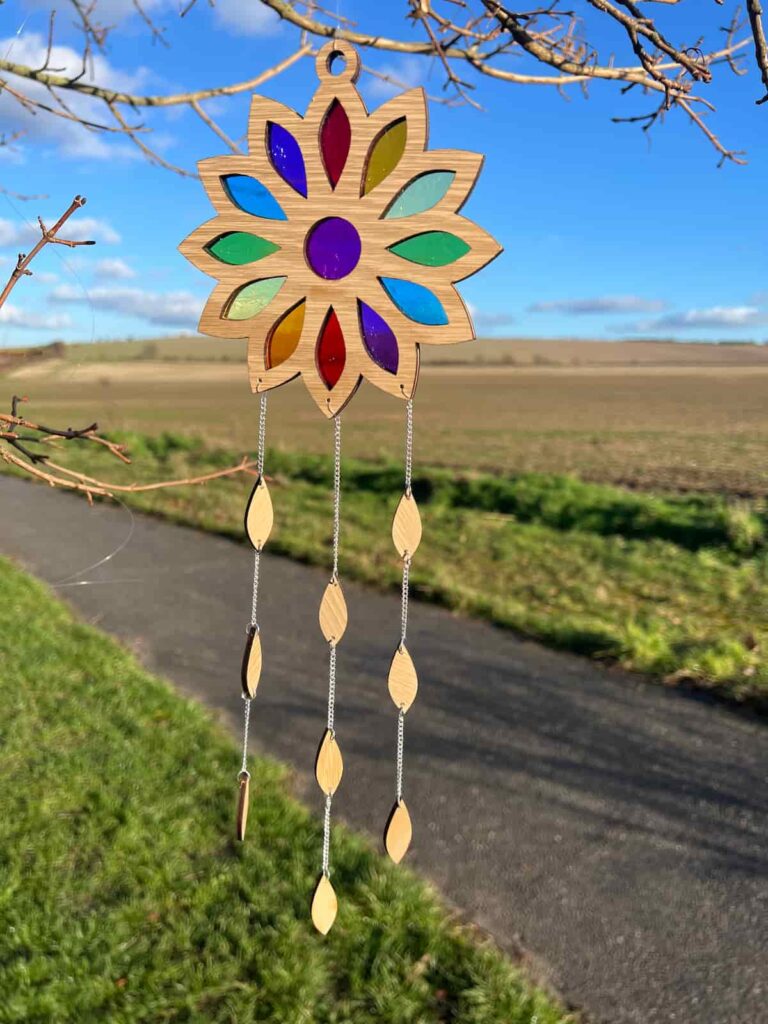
{"points": [[335, 139], [331, 350]]}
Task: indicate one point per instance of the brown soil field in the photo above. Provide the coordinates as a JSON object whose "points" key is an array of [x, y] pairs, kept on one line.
{"points": [[671, 425], [490, 351]]}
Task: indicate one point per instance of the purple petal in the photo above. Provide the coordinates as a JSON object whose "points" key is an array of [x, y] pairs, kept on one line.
{"points": [[378, 338]]}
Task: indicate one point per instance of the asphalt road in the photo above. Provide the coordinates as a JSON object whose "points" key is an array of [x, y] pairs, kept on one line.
{"points": [[615, 830]]}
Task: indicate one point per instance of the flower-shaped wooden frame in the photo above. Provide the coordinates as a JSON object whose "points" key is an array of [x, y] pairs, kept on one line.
{"points": [[371, 211]]}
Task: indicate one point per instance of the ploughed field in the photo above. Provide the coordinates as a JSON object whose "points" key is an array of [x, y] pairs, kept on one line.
{"points": [[657, 416]]}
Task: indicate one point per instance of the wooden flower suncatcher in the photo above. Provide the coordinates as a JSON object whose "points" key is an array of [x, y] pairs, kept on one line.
{"points": [[336, 246]]}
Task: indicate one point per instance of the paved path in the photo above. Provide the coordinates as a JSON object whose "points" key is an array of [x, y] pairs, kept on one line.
{"points": [[617, 831]]}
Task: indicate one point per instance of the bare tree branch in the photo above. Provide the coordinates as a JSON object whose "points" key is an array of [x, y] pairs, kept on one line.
{"points": [[755, 13], [466, 38], [17, 432]]}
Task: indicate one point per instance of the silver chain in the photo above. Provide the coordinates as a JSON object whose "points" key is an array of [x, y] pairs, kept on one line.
{"points": [[404, 599], [408, 444], [327, 837], [246, 724], [254, 624], [332, 643], [400, 742], [336, 492], [332, 687], [260, 470], [404, 592]]}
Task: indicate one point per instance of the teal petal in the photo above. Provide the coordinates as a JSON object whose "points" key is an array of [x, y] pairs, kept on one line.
{"points": [[421, 194]]}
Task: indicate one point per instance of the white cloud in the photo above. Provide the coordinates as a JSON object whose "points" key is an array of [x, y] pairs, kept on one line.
{"points": [[406, 73], [79, 229], [246, 17], [488, 319], [109, 11], [71, 139], [714, 316], [169, 309], [46, 276], [114, 270], [16, 317], [598, 305]]}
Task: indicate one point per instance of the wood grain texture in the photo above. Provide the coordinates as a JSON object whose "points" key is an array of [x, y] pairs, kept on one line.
{"points": [[333, 613], [324, 905], [243, 800], [398, 832], [366, 213], [259, 515], [250, 673], [329, 766], [402, 681], [406, 526]]}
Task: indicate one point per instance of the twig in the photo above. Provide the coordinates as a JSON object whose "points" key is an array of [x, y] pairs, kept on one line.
{"points": [[48, 236]]}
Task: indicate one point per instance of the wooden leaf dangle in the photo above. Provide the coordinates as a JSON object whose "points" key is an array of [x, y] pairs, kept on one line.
{"points": [[259, 516], [406, 526], [251, 669], [403, 682], [333, 613], [243, 800], [329, 765], [398, 832], [324, 905]]}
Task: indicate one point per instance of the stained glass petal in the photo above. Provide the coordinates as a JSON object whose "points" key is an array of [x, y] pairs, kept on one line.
{"points": [[431, 248], [239, 247], [385, 154], [335, 140], [331, 351], [285, 154], [252, 298], [378, 338], [415, 301], [251, 196], [421, 194], [285, 335]]}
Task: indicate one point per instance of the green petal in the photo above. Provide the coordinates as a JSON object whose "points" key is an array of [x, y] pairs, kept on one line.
{"points": [[252, 298], [238, 247], [431, 248]]}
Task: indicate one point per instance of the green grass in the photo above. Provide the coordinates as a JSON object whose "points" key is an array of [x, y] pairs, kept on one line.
{"points": [[676, 587], [126, 899]]}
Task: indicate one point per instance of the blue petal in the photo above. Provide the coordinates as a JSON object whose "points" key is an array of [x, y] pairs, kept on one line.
{"points": [[252, 197], [286, 157], [415, 301]]}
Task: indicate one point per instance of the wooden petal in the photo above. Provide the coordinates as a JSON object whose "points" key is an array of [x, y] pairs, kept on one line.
{"points": [[329, 765], [259, 516], [398, 833], [403, 681], [243, 799], [251, 669], [406, 527], [324, 906], [333, 613]]}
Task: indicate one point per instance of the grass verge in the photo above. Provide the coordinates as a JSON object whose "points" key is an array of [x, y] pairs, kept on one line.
{"points": [[675, 587], [126, 899]]}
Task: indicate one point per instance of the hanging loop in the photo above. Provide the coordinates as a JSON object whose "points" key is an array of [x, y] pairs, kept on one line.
{"points": [[337, 61]]}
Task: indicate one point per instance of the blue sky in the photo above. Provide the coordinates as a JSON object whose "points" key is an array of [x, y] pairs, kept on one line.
{"points": [[605, 234]]}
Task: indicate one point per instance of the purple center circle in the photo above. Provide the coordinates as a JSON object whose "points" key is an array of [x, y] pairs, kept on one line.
{"points": [[333, 248]]}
